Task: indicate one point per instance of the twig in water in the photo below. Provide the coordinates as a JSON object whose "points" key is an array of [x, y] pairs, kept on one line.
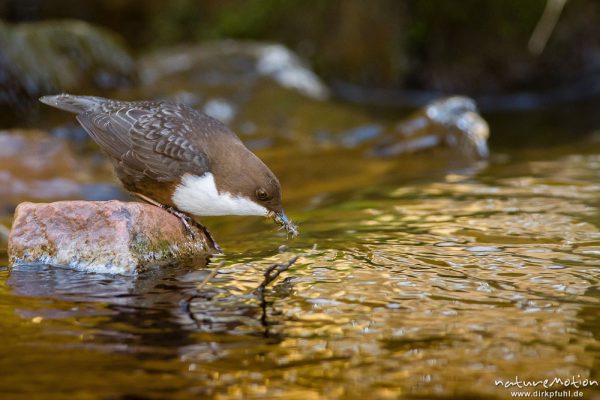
{"points": [[274, 271], [209, 276], [271, 274]]}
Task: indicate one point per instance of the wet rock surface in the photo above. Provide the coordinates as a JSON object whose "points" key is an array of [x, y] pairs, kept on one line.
{"points": [[451, 123], [106, 237]]}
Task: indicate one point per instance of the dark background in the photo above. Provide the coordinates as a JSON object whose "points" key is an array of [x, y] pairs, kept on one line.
{"points": [[464, 46]]}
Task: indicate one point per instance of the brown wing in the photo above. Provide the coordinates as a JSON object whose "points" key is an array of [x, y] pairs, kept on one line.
{"points": [[146, 139]]}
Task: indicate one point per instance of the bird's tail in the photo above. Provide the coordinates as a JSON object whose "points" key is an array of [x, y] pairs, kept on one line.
{"points": [[74, 104]]}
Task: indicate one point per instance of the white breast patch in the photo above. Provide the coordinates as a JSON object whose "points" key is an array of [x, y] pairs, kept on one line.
{"points": [[198, 195]]}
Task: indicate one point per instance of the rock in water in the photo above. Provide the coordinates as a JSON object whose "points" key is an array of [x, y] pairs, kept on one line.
{"points": [[451, 122], [102, 236]]}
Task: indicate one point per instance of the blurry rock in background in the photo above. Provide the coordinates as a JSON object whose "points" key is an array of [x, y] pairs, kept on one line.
{"points": [[36, 166], [451, 122], [259, 89], [55, 56], [221, 78], [235, 64]]}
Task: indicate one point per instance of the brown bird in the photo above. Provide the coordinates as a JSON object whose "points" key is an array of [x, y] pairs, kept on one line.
{"points": [[175, 157]]}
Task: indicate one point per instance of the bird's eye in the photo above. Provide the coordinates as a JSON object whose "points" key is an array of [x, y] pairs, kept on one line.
{"points": [[262, 194]]}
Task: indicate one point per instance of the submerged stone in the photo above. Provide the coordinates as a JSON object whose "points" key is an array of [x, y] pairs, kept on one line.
{"points": [[451, 122], [106, 237]]}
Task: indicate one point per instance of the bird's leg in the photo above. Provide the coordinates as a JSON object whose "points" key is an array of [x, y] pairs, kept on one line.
{"points": [[186, 220]]}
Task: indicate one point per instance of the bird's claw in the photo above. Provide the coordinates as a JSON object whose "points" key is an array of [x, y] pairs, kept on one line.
{"points": [[186, 223]]}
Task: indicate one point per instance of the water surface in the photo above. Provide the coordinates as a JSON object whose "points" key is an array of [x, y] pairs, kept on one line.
{"points": [[410, 285]]}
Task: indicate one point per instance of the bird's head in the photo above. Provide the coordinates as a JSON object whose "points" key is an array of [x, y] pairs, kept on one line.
{"points": [[266, 191], [263, 189], [252, 183]]}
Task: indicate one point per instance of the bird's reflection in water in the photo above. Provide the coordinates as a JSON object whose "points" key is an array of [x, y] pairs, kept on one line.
{"points": [[166, 308]]}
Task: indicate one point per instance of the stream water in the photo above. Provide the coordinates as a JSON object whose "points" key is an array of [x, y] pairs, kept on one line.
{"points": [[433, 286]]}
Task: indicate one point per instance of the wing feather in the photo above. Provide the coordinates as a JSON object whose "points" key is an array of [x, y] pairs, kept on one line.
{"points": [[147, 140]]}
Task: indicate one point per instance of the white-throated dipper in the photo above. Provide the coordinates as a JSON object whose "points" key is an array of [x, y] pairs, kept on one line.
{"points": [[177, 158]]}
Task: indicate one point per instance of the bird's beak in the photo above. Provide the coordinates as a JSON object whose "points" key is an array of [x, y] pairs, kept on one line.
{"points": [[282, 219]]}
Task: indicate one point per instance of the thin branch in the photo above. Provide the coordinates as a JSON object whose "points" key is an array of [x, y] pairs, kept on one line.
{"points": [[271, 274], [541, 34], [274, 271], [212, 274]]}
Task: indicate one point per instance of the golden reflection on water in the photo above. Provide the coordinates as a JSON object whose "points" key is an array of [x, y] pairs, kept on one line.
{"points": [[423, 289]]}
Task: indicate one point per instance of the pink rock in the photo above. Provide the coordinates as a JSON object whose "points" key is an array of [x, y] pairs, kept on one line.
{"points": [[102, 236]]}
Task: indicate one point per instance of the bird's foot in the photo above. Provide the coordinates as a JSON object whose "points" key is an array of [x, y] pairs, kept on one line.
{"points": [[188, 222], [185, 219]]}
